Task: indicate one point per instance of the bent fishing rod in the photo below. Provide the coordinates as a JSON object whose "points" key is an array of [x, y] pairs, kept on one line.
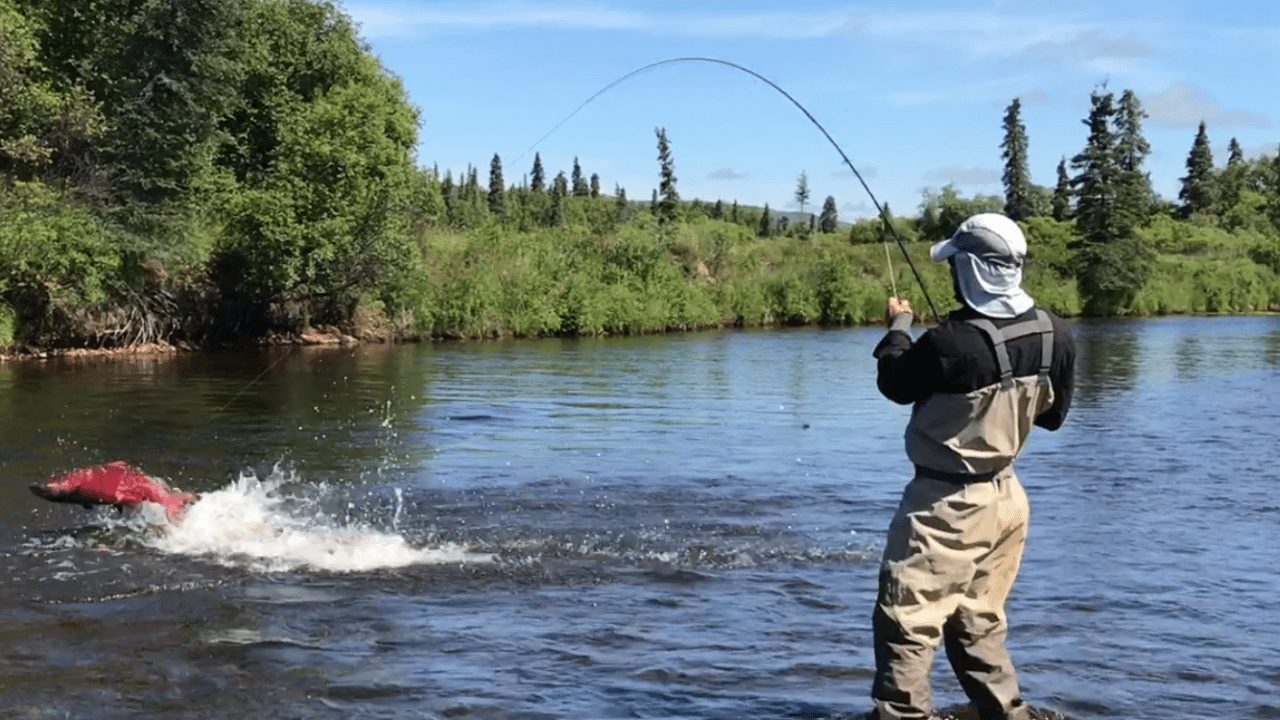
{"points": [[880, 211]]}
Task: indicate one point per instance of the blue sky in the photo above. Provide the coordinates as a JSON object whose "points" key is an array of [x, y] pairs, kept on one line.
{"points": [[913, 91]]}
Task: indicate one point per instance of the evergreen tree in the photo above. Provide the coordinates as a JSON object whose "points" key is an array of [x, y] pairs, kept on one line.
{"points": [[556, 209], [733, 212], [538, 177], [717, 212], [595, 185], [497, 191], [653, 203], [580, 188], [446, 184], [1232, 180], [766, 223], [782, 224], [813, 222], [830, 216], [452, 203], [1271, 190], [1097, 173], [1197, 193], [472, 191], [668, 206], [802, 190], [1017, 177], [1062, 194], [1112, 264], [1235, 155], [1134, 197], [622, 209]]}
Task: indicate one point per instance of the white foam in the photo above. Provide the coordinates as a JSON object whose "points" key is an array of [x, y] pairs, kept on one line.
{"points": [[250, 524]]}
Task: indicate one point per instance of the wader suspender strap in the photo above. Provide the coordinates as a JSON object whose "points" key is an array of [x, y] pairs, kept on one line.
{"points": [[1041, 326]]}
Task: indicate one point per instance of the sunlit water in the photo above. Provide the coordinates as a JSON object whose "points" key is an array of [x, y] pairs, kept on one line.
{"points": [[670, 527]]}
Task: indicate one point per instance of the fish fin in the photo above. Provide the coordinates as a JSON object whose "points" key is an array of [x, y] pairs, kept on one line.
{"points": [[87, 506]]}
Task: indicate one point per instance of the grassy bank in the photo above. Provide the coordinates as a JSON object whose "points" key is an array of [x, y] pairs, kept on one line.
{"points": [[710, 273]]}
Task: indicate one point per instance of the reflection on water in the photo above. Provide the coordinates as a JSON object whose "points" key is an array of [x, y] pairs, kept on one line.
{"points": [[681, 526], [1108, 359]]}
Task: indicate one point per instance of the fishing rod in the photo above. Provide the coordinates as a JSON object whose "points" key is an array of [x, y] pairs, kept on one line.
{"points": [[880, 211]]}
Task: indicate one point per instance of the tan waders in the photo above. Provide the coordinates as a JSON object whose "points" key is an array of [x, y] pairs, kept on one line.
{"points": [[956, 542]]}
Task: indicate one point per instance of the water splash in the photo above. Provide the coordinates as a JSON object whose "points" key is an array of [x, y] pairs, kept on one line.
{"points": [[251, 523]]}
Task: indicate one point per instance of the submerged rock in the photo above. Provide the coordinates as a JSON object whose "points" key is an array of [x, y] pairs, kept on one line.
{"points": [[964, 713], [968, 713]]}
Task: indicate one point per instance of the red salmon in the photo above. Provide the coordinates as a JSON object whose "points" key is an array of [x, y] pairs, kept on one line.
{"points": [[116, 483]]}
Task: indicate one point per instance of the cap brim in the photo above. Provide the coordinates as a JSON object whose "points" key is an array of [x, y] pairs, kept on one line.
{"points": [[942, 250]]}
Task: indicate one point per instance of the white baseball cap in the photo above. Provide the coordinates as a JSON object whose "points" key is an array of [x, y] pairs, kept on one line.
{"points": [[990, 236], [987, 251]]}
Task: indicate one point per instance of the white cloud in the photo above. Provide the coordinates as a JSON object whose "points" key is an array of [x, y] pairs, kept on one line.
{"points": [[1089, 44], [983, 91], [399, 18], [857, 209], [1263, 150], [966, 33], [963, 175], [1034, 96], [726, 174], [1185, 105], [382, 19], [842, 172]]}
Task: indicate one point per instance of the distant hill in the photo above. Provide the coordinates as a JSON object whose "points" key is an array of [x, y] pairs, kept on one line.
{"points": [[793, 216]]}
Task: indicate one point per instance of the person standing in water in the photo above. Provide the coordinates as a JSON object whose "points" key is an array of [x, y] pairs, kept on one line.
{"points": [[977, 383]]}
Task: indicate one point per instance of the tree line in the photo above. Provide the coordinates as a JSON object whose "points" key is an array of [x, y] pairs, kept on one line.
{"points": [[219, 170]]}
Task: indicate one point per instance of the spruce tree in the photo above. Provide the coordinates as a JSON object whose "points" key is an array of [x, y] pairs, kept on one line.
{"points": [[717, 211], [1235, 155], [1017, 177], [1096, 174], [497, 192], [621, 209], [1134, 197], [1231, 181], [1197, 193], [1271, 190], [668, 207], [537, 181], [1114, 196], [766, 223], [802, 190], [1062, 194], [449, 191], [733, 212], [653, 203], [468, 190], [556, 209], [580, 187], [830, 215], [595, 185]]}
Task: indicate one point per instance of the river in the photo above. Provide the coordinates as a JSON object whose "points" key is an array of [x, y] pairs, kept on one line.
{"points": [[683, 526]]}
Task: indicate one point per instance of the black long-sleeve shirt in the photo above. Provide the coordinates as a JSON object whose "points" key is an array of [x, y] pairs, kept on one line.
{"points": [[955, 357]]}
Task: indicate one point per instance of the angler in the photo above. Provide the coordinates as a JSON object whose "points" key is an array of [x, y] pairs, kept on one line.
{"points": [[115, 483], [977, 383]]}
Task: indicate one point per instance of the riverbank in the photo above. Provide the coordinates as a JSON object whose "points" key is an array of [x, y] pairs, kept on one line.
{"points": [[332, 337]]}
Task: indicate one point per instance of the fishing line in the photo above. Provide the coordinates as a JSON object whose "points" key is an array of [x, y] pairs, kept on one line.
{"points": [[261, 375], [717, 61]]}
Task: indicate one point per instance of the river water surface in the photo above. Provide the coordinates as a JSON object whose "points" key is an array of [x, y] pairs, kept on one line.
{"points": [[670, 527]]}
